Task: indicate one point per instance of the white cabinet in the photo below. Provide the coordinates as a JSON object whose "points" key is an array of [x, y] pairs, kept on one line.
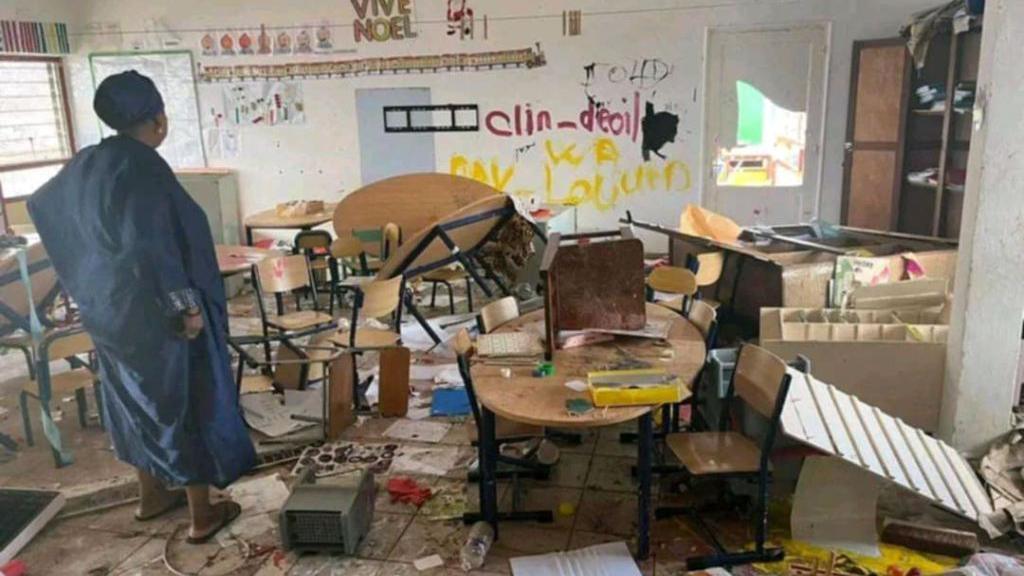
{"points": [[216, 191]]}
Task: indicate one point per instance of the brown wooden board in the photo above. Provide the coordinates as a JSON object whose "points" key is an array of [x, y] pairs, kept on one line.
{"points": [[412, 201], [394, 381], [600, 285]]}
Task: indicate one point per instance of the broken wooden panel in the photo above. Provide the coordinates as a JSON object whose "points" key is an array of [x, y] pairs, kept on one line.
{"points": [[839, 424]]}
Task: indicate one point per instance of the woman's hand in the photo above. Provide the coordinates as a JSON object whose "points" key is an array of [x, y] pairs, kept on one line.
{"points": [[191, 324]]}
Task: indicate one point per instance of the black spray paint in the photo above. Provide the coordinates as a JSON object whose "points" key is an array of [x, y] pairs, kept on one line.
{"points": [[659, 128]]}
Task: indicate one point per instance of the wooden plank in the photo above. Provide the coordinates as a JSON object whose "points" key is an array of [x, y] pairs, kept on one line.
{"points": [[931, 473], [893, 469], [800, 417], [833, 421], [903, 453], [934, 449], [856, 431], [969, 479]]}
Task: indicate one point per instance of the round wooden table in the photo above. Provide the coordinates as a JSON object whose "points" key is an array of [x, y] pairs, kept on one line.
{"points": [[542, 401], [270, 219]]}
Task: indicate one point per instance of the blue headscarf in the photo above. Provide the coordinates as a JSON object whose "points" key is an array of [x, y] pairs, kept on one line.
{"points": [[126, 99]]}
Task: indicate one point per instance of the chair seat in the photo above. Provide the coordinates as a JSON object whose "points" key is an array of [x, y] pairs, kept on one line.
{"points": [[505, 428], [19, 341], [356, 281], [256, 383], [63, 383], [674, 304], [446, 275], [706, 453], [299, 320], [367, 338]]}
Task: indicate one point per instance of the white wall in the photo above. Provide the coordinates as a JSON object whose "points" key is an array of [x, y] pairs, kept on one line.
{"points": [[321, 158], [982, 364]]}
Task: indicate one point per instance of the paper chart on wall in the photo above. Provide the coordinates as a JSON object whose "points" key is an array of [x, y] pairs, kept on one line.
{"points": [[264, 104]]}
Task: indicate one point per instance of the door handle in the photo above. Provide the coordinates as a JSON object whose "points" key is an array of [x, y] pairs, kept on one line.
{"points": [[848, 146]]}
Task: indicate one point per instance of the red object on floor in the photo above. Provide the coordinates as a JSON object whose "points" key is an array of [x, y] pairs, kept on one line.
{"points": [[408, 491], [16, 568], [266, 243]]}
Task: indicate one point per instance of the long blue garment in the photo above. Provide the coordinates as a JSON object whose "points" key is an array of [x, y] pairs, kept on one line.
{"points": [[134, 250]]}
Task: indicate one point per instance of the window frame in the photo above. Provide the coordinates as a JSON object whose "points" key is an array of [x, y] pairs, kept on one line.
{"points": [[58, 63]]}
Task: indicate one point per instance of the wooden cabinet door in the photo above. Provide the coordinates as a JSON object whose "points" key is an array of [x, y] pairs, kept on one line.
{"points": [[873, 165]]}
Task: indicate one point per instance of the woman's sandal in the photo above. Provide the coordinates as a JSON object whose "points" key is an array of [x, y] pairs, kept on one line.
{"points": [[231, 511]]}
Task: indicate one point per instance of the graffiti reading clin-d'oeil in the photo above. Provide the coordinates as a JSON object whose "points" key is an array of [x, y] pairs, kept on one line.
{"points": [[595, 175], [523, 120], [382, 20]]}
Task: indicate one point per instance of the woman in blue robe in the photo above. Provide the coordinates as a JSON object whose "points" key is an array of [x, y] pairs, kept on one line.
{"points": [[136, 254]]}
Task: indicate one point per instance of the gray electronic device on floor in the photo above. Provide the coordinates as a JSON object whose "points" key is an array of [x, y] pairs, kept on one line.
{"points": [[330, 515]]}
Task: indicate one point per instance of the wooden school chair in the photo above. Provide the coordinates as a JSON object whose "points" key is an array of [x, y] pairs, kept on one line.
{"points": [[376, 299], [497, 313], [316, 246], [672, 280], [708, 268], [761, 381], [506, 431], [280, 276], [66, 344], [446, 277], [704, 318]]}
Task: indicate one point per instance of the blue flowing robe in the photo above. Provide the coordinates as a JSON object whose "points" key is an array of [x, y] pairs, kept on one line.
{"points": [[134, 251]]}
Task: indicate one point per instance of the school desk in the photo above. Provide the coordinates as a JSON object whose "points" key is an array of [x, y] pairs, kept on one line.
{"points": [[233, 259], [271, 220], [541, 401]]}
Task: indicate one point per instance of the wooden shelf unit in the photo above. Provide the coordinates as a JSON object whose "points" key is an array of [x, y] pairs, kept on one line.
{"points": [[888, 137]]}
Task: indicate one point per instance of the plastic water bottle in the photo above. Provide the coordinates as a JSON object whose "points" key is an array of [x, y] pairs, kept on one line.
{"points": [[474, 552]]}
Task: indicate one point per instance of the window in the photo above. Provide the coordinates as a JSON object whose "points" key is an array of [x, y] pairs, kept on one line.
{"points": [[770, 143], [35, 133]]}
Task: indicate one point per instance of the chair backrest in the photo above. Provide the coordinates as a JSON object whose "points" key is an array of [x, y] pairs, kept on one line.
{"points": [[672, 280], [703, 316], [380, 297], [17, 216], [308, 240], [283, 273], [372, 239], [709, 267], [392, 239], [346, 247], [65, 344], [759, 379], [498, 312]]}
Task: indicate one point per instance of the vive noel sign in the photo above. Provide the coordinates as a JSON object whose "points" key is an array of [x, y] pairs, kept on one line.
{"points": [[382, 20]]}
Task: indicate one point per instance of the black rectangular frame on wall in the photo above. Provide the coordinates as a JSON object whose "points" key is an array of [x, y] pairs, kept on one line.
{"points": [[453, 123]]}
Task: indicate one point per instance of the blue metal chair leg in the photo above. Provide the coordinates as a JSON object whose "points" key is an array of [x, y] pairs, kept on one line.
{"points": [[26, 419]]}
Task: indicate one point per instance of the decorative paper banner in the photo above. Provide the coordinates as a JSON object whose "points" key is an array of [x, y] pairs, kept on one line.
{"points": [[34, 37], [528, 57]]}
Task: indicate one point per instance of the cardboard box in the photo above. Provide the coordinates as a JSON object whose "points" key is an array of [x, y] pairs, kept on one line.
{"points": [[892, 359]]}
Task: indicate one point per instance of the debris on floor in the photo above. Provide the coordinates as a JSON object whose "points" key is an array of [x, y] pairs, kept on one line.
{"points": [[612, 558], [418, 430], [407, 491]]}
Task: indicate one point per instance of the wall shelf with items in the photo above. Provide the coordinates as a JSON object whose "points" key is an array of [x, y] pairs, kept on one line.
{"points": [[904, 122]]}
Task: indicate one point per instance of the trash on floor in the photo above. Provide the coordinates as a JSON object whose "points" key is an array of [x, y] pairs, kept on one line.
{"points": [[425, 461], [450, 402], [612, 558], [418, 430], [428, 563], [407, 491], [264, 494], [341, 457]]}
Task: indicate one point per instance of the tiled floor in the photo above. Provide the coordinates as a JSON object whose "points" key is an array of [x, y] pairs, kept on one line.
{"points": [[590, 489]]}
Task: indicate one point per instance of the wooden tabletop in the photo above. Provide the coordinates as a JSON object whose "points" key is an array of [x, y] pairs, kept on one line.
{"points": [[541, 401], [271, 219], [238, 259]]}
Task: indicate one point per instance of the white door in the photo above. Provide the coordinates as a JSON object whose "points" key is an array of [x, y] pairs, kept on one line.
{"points": [[764, 113]]}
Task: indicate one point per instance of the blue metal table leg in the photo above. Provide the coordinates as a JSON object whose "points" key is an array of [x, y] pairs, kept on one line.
{"points": [[644, 450]]}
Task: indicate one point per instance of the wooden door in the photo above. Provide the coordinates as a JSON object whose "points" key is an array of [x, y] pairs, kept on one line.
{"points": [[873, 165]]}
